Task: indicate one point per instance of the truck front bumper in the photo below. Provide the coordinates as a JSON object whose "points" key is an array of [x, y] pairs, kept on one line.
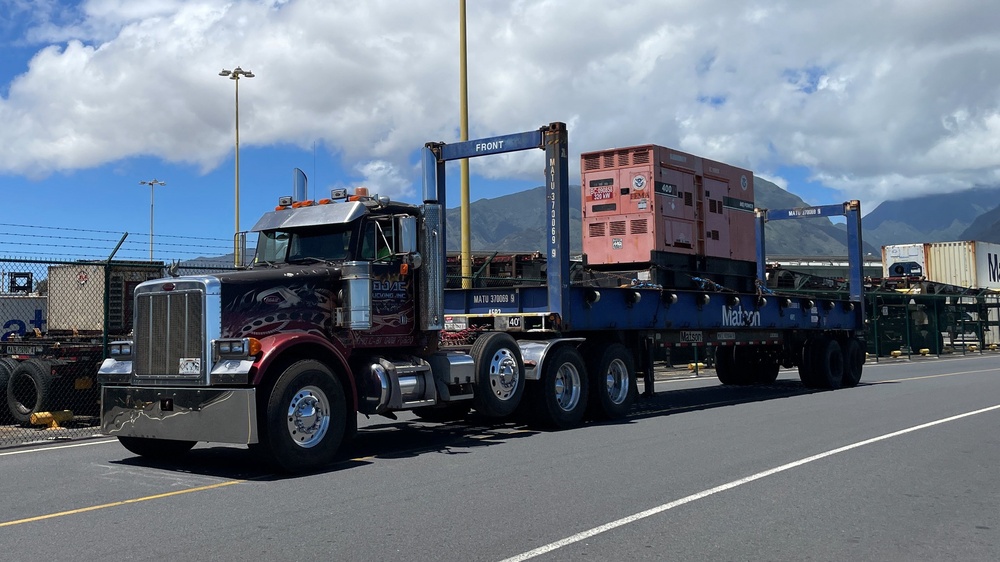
{"points": [[186, 414]]}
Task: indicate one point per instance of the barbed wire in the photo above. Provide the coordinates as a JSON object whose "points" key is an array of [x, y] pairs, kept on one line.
{"points": [[80, 244], [116, 232]]}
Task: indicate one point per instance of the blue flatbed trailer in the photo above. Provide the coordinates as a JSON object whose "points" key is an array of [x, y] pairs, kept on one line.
{"points": [[684, 317]]}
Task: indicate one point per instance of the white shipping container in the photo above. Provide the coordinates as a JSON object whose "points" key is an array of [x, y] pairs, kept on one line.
{"points": [[21, 314], [971, 264], [76, 298]]}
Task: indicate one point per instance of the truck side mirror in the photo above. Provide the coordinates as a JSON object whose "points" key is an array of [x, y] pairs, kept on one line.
{"points": [[406, 242]]}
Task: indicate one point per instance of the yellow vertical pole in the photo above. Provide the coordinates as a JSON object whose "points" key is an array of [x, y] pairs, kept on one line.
{"points": [[464, 163]]}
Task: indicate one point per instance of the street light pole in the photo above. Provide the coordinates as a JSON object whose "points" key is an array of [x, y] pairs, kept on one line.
{"points": [[235, 76], [152, 183]]}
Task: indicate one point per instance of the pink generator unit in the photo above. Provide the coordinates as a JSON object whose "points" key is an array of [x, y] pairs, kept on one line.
{"points": [[674, 218]]}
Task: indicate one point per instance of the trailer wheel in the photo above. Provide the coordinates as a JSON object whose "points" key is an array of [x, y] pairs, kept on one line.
{"points": [[806, 363], [613, 387], [29, 390], [765, 369], [725, 365], [305, 418], [561, 397], [827, 363], [854, 362], [156, 449], [499, 374], [7, 366]]}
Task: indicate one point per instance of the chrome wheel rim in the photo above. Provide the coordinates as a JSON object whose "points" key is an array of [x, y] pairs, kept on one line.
{"points": [[567, 387], [503, 374], [617, 381], [308, 417]]}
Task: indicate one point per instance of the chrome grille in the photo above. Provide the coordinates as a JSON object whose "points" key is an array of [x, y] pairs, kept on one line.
{"points": [[169, 327]]}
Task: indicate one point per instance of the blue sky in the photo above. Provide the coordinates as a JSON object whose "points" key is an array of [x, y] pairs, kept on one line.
{"points": [[831, 102]]}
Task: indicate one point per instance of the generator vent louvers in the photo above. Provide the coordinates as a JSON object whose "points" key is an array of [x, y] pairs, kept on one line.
{"points": [[639, 226], [617, 228], [597, 229]]}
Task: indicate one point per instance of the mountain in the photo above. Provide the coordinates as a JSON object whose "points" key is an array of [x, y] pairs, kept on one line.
{"points": [[986, 228], [932, 218], [515, 223]]}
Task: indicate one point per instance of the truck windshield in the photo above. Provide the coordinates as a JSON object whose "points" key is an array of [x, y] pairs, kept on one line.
{"points": [[292, 246]]}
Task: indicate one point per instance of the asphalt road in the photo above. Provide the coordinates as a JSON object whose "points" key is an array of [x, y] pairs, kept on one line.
{"points": [[904, 467]]}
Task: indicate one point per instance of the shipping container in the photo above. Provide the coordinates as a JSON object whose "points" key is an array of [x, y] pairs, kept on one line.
{"points": [[76, 297], [971, 264]]}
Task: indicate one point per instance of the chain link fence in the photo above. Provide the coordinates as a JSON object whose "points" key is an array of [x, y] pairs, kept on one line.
{"points": [[905, 324], [58, 314], [905, 317]]}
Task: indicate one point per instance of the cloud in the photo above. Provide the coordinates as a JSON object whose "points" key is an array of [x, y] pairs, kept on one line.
{"points": [[879, 100]]}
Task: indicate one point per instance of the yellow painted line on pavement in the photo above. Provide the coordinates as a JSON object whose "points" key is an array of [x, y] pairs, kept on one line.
{"points": [[121, 503]]}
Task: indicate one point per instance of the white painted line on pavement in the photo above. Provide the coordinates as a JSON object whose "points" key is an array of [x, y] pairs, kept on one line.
{"points": [[735, 483]]}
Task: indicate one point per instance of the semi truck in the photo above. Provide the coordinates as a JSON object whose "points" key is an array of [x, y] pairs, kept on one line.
{"points": [[345, 311], [53, 343]]}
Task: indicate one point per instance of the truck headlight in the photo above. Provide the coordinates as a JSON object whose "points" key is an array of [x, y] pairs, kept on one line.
{"points": [[237, 349], [120, 349]]}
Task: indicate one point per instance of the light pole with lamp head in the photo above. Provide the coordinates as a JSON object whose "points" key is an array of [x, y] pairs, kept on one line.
{"points": [[235, 76], [152, 183]]}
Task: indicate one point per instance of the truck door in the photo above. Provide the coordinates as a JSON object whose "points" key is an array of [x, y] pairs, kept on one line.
{"points": [[393, 305]]}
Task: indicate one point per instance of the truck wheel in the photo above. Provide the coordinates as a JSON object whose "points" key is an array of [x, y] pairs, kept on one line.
{"points": [[854, 362], [7, 366], [827, 363], [561, 398], [765, 371], [29, 390], [612, 382], [446, 412], [156, 449], [806, 364], [305, 418], [764, 368], [499, 374], [725, 365]]}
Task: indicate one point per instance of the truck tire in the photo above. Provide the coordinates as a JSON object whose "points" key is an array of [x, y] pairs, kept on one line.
{"points": [[305, 419], [854, 362], [156, 449], [7, 366], [805, 364], [735, 365], [725, 365], [827, 363], [29, 390], [499, 374], [560, 397], [764, 367], [613, 387]]}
